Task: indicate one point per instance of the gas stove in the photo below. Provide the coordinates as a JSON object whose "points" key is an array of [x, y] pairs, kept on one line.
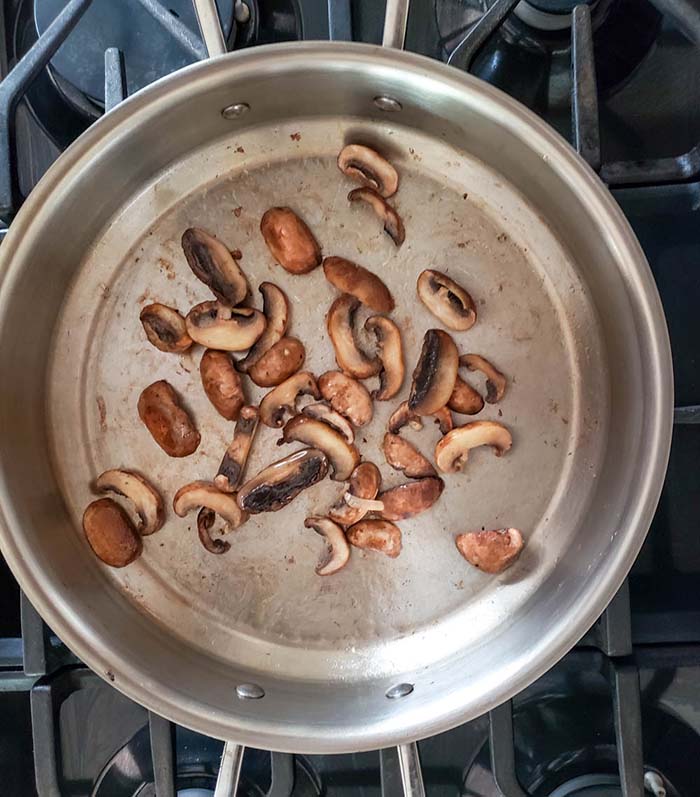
{"points": [[620, 714]]}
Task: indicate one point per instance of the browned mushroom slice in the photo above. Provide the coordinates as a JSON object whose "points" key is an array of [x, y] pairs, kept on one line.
{"points": [[348, 355], [222, 383], [350, 278], [205, 521], [276, 312], [233, 464], [375, 534], [435, 374], [337, 551], [278, 363], [167, 420], [393, 226], [213, 263], [411, 498], [324, 413], [447, 300], [110, 533], [495, 380], [216, 326], [465, 399], [404, 456], [364, 164], [144, 497], [278, 484], [283, 399], [290, 241], [165, 328], [443, 418], [347, 396], [491, 551], [342, 456], [401, 417], [452, 451], [365, 482], [200, 493], [391, 356]]}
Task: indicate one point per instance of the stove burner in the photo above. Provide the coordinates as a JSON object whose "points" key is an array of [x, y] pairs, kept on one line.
{"points": [[548, 14], [590, 786]]}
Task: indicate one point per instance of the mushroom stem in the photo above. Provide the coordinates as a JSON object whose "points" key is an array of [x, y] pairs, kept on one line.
{"points": [[233, 464]]}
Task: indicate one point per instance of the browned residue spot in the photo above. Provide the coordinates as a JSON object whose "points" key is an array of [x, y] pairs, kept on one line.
{"points": [[237, 212], [102, 410], [236, 254], [167, 268], [240, 149], [502, 237], [295, 136], [143, 297], [564, 420], [465, 196]]}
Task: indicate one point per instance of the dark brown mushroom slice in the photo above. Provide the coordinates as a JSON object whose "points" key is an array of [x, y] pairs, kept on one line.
{"points": [[435, 374], [324, 412], [110, 533], [222, 383], [169, 423], [391, 355], [200, 494], [359, 282], [336, 552], [370, 168], [217, 326], [404, 456], [346, 396], [365, 482], [491, 551], [278, 363], [464, 399], [410, 499], [342, 456], [215, 266], [283, 399], [495, 381], [276, 312], [447, 300], [165, 328], [376, 534], [393, 226], [205, 521], [290, 241], [278, 484], [233, 464], [145, 499], [452, 451], [350, 358]]}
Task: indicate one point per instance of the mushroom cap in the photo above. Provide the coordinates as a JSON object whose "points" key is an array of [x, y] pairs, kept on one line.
{"points": [[359, 282], [337, 551], [490, 551], [446, 299], [166, 419], [393, 225], [376, 534], [215, 266], [348, 355], [278, 363], [365, 482], [412, 498], [391, 355], [342, 456], [465, 399], [165, 328], [282, 399], [346, 396], [323, 412], [201, 493], [222, 383], [404, 456], [276, 312], [435, 373], [452, 451], [110, 533], [495, 381], [369, 167], [290, 241], [146, 500], [219, 327]]}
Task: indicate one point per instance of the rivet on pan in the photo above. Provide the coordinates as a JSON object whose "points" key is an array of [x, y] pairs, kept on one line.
{"points": [[250, 691], [235, 110], [400, 690], [387, 103]]}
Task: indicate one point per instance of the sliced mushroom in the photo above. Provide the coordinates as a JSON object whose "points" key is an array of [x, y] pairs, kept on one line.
{"points": [[165, 328], [375, 534], [391, 356], [447, 300], [279, 483], [347, 396], [452, 450], [205, 494], [144, 497], [443, 418], [278, 363], [167, 420], [337, 551], [495, 380], [342, 456], [276, 312], [350, 278], [364, 164], [110, 533], [402, 416], [219, 327], [283, 399], [222, 383], [411, 498], [465, 399], [393, 226], [491, 551], [324, 413], [365, 482], [213, 263], [205, 522], [233, 464], [435, 374], [290, 241], [348, 355], [404, 456]]}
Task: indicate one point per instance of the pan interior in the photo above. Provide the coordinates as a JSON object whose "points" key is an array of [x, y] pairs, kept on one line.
{"points": [[261, 605]]}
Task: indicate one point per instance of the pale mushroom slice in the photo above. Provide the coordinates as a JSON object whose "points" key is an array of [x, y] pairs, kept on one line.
{"points": [[452, 451], [495, 381], [278, 484], [464, 399], [370, 168], [233, 464], [110, 533], [171, 426], [447, 300], [216, 326], [410, 499], [215, 266], [491, 551], [165, 328], [435, 374], [404, 456], [205, 521], [283, 399], [336, 550], [350, 278], [145, 499], [323, 412], [393, 225], [346, 396], [365, 482], [276, 312], [222, 383], [342, 456], [198, 494], [390, 348], [290, 241], [278, 363], [348, 355], [376, 534]]}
